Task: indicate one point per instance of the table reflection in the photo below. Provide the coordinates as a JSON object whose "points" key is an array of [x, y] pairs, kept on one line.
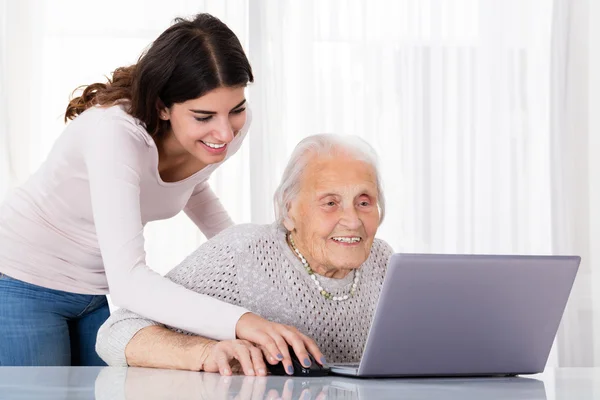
{"points": [[142, 383]]}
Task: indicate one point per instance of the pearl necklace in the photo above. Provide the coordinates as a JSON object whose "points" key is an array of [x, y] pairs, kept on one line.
{"points": [[312, 274]]}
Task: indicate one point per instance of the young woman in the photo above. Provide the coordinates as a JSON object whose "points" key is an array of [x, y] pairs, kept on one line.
{"points": [[140, 148]]}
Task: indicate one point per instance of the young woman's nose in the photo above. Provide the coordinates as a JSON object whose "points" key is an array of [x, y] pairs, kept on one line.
{"points": [[224, 132]]}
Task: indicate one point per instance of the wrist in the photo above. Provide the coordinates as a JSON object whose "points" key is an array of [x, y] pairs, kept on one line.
{"points": [[239, 325], [196, 356]]}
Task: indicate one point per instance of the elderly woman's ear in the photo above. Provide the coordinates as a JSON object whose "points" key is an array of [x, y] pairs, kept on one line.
{"points": [[289, 224], [288, 220]]}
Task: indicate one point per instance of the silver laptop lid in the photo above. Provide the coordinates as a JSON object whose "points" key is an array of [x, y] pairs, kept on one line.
{"points": [[445, 315]]}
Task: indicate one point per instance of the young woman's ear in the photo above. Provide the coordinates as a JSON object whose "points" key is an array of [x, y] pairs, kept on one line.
{"points": [[163, 112]]}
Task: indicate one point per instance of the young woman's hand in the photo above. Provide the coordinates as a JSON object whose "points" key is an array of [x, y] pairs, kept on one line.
{"points": [[274, 338]]}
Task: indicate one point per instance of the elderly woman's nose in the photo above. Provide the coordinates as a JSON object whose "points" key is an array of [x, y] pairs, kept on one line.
{"points": [[350, 218]]}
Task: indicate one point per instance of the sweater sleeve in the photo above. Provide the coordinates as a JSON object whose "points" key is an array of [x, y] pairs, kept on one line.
{"points": [[113, 151], [207, 212], [115, 334]]}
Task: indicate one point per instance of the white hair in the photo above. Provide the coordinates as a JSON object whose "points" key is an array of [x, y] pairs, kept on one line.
{"points": [[322, 145]]}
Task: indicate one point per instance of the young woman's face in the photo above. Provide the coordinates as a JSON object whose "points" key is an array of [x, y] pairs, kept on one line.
{"points": [[206, 126]]}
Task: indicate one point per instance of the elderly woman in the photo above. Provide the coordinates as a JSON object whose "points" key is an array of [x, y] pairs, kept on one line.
{"points": [[318, 269]]}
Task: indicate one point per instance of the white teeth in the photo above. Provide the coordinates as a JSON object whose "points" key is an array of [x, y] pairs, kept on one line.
{"points": [[347, 239], [213, 146]]}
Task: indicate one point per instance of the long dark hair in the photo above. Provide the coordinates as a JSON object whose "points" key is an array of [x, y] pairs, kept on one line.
{"points": [[189, 59]]}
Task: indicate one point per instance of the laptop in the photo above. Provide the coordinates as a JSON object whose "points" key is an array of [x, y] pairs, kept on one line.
{"points": [[465, 315]]}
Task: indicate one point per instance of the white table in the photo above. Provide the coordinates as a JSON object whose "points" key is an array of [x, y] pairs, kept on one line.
{"points": [[140, 383]]}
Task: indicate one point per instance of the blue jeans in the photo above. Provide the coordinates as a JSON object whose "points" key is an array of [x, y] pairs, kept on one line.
{"points": [[46, 327]]}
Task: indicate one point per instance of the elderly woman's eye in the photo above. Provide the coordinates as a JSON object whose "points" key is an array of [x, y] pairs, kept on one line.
{"points": [[331, 203], [365, 203]]}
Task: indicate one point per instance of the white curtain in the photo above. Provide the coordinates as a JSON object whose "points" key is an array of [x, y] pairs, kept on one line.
{"points": [[453, 94], [576, 171], [6, 178]]}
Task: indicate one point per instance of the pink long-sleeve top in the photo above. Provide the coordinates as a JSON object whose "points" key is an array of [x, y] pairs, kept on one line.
{"points": [[77, 224]]}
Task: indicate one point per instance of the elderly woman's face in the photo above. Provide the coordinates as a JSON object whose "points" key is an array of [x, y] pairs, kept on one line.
{"points": [[335, 216]]}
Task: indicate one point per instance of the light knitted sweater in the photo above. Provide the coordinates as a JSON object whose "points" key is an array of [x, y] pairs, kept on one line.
{"points": [[252, 266]]}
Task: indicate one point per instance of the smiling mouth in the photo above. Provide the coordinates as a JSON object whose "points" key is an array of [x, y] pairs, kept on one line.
{"points": [[347, 239], [216, 149], [214, 145]]}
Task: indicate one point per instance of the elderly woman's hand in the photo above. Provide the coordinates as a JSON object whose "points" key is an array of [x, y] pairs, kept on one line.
{"points": [[274, 338], [232, 356]]}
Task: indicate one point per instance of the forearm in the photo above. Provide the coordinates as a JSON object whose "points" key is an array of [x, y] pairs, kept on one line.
{"points": [[171, 303], [159, 347], [205, 209]]}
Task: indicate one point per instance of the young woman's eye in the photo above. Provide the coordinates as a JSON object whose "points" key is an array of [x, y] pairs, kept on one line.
{"points": [[203, 119], [239, 110]]}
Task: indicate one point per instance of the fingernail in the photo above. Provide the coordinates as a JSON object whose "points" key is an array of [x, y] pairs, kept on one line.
{"points": [[323, 361], [306, 362], [251, 372], [280, 356], [262, 371], [225, 371], [290, 370]]}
